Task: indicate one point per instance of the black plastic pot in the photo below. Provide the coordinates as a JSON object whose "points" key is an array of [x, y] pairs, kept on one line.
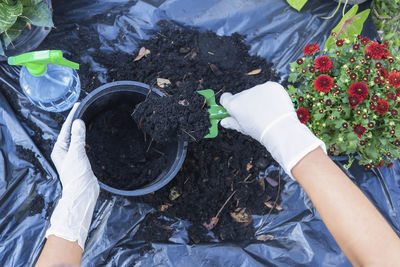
{"points": [[116, 93]]}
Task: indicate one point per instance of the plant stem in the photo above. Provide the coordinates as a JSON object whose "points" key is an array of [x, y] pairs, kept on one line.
{"points": [[226, 202]]}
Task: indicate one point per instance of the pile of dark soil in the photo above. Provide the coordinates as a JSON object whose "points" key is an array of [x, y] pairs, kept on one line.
{"points": [[37, 205], [118, 152], [183, 115], [214, 168], [31, 157]]}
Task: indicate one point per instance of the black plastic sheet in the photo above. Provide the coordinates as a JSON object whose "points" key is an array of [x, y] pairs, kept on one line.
{"points": [[276, 32]]}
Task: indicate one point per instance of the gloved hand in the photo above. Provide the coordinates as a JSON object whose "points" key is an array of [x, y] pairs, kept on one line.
{"points": [[265, 112], [72, 216]]}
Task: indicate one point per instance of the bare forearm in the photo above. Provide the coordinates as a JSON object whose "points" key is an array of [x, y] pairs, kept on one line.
{"points": [[58, 251], [360, 230]]}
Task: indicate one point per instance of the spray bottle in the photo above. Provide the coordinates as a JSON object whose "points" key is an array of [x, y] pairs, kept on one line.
{"points": [[50, 81]]}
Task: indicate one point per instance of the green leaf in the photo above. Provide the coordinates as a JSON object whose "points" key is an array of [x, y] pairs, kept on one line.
{"points": [[349, 26], [38, 15], [389, 36], [13, 32], [292, 77], [30, 2], [297, 4], [9, 15]]}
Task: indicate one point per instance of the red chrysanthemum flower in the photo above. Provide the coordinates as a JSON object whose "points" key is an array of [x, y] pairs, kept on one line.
{"points": [[365, 40], [398, 92], [339, 43], [354, 101], [394, 79], [323, 64], [310, 49], [323, 83], [303, 115], [390, 95], [359, 90], [382, 106], [384, 73], [376, 50], [359, 130], [390, 165]]}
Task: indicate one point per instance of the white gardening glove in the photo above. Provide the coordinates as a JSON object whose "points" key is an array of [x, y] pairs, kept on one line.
{"points": [[265, 112], [73, 214]]}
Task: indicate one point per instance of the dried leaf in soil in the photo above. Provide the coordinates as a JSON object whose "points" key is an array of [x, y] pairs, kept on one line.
{"points": [[241, 216], [174, 194], [265, 237], [249, 166], [269, 204], [254, 72], [212, 224], [215, 69], [164, 207], [142, 52], [162, 83]]}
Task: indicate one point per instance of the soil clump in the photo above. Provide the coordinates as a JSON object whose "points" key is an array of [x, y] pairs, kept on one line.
{"points": [[183, 115]]}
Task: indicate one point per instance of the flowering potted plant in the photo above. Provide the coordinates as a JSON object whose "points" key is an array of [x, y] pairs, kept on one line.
{"points": [[349, 96]]}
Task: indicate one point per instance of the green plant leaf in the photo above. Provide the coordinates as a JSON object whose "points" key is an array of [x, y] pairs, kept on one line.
{"points": [[292, 77], [30, 2], [349, 26], [297, 4], [38, 15], [13, 32], [9, 15]]}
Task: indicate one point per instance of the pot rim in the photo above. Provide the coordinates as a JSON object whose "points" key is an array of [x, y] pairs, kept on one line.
{"points": [[181, 149]]}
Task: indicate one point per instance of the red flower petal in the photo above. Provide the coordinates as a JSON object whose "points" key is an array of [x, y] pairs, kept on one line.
{"points": [[359, 130], [359, 90], [323, 64], [310, 49], [380, 164], [303, 115], [394, 79], [354, 101], [376, 50], [323, 83], [382, 106]]}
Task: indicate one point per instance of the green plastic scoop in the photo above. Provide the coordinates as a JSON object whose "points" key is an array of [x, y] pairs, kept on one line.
{"points": [[216, 112]]}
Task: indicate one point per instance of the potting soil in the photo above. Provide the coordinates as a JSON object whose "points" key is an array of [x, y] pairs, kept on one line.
{"points": [[103, 36], [120, 155], [182, 116]]}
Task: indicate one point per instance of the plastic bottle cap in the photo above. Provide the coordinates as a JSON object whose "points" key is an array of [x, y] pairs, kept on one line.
{"points": [[36, 62]]}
